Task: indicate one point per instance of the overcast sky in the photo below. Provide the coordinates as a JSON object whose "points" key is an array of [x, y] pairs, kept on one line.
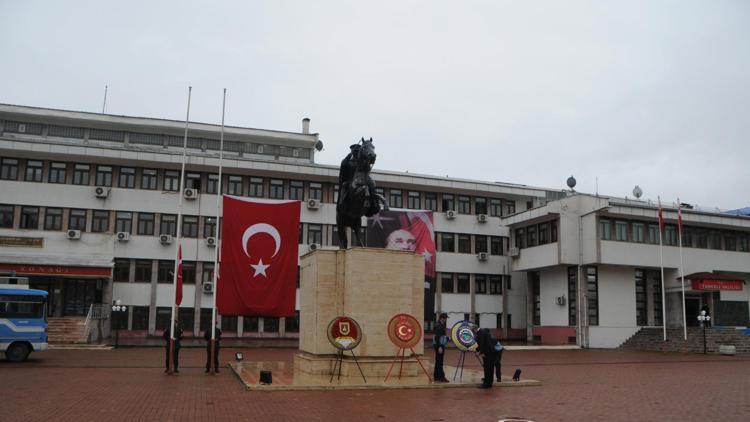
{"points": [[654, 93]]}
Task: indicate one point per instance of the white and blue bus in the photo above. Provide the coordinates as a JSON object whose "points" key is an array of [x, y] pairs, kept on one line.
{"points": [[23, 322]]}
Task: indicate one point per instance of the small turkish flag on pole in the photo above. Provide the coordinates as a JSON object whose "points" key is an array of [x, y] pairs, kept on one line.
{"points": [[259, 251], [661, 218], [178, 293]]}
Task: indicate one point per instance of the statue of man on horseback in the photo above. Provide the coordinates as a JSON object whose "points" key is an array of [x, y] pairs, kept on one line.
{"points": [[357, 195]]}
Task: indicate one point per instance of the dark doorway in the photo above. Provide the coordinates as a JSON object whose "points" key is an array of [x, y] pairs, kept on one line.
{"points": [[80, 294], [692, 309]]}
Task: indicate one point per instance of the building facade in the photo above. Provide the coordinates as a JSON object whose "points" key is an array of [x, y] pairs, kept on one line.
{"points": [[89, 202]]}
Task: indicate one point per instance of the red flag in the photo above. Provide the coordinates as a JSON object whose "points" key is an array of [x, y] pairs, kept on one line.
{"points": [[259, 253], [178, 293], [679, 216], [661, 219]]}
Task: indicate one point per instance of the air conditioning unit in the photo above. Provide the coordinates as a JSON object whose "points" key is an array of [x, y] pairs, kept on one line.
{"points": [[450, 214], [122, 236], [73, 234], [482, 256], [191, 193], [560, 300], [211, 241], [313, 204], [208, 287], [514, 252], [166, 239], [313, 247], [101, 192], [482, 218]]}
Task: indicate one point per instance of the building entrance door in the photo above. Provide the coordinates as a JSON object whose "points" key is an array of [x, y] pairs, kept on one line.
{"points": [[692, 309], [80, 294]]}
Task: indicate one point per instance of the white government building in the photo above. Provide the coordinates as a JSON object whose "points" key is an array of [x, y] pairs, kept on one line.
{"points": [[88, 206]]}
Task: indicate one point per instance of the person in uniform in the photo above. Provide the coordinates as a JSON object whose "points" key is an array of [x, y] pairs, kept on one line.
{"points": [[207, 336], [439, 341], [486, 349], [498, 360], [176, 355]]}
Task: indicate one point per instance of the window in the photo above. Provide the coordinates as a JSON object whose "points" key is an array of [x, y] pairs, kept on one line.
{"points": [[121, 272], [413, 201], [336, 193], [142, 271], [496, 245], [572, 281], [212, 184], [296, 190], [256, 187], [53, 219], [670, 236], [495, 207], [168, 224], [171, 180], [701, 239], [480, 281], [193, 181], [480, 205], [637, 232], [208, 272], [334, 235], [163, 317], [653, 233], [29, 218], [234, 185], [123, 221], [146, 223], [103, 175], [621, 230], [190, 226], [100, 221], [127, 178], [9, 169], [496, 285], [730, 242], [165, 272], [34, 171], [448, 203], [553, 231], [462, 283], [464, 204], [543, 233], [446, 280], [592, 293], [188, 272], [81, 174], [316, 191], [249, 324], [654, 278], [520, 238], [714, 239], [291, 324], [57, 172], [605, 229], [510, 207], [480, 243], [536, 294], [314, 233], [149, 179], [6, 216], [464, 243], [140, 317], [397, 200], [641, 301], [277, 189], [743, 243], [531, 236], [209, 227], [430, 201]]}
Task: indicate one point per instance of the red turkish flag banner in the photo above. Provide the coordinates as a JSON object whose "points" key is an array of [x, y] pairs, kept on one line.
{"points": [[178, 291], [259, 252]]}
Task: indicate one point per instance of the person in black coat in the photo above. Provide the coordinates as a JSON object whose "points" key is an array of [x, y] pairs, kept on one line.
{"points": [[176, 355], [486, 349], [439, 341], [207, 337]]}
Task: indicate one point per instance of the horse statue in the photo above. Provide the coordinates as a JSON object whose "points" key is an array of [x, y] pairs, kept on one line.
{"points": [[357, 196]]}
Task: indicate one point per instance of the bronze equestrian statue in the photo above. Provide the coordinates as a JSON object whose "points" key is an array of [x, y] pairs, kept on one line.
{"points": [[357, 195]]}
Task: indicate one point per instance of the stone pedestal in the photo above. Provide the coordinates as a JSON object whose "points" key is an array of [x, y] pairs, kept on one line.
{"points": [[368, 285]]}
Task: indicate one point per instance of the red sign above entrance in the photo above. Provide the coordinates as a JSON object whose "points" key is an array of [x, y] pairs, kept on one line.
{"points": [[60, 270], [716, 285]]}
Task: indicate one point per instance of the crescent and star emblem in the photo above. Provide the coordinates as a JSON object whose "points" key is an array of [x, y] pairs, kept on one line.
{"points": [[260, 267]]}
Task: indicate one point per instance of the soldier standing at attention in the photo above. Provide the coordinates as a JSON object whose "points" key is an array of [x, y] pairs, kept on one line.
{"points": [[439, 341]]}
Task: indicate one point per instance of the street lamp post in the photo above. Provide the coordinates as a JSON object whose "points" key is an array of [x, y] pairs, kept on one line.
{"points": [[704, 319], [118, 309]]}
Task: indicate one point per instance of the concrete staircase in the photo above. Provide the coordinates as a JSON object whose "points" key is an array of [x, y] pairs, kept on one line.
{"points": [[65, 330], [651, 339]]}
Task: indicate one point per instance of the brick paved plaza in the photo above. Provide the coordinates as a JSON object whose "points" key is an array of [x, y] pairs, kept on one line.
{"points": [[128, 384]]}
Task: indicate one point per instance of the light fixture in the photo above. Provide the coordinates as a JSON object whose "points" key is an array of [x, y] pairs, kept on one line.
{"points": [[238, 356]]}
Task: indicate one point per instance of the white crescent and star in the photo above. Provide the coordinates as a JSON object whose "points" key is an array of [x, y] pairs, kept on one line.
{"points": [[260, 267]]}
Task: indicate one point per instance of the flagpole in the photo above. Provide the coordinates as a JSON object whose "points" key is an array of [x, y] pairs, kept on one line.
{"points": [[682, 272], [661, 264], [218, 240], [179, 229]]}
